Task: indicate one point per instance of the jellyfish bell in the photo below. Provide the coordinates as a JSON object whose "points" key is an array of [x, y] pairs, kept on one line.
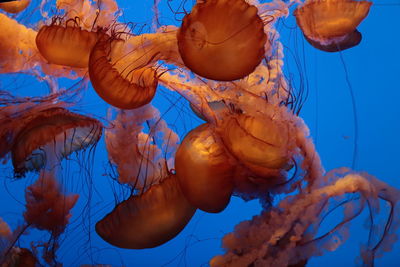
{"points": [[14, 7], [222, 40], [50, 135], [149, 219], [205, 170], [331, 25], [67, 45], [348, 41], [157, 210], [122, 86], [263, 144]]}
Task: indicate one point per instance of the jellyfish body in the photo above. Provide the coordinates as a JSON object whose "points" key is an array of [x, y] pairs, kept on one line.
{"points": [[14, 6], [222, 40], [66, 45], [204, 170], [331, 25], [130, 91], [261, 143], [54, 132], [147, 220]]}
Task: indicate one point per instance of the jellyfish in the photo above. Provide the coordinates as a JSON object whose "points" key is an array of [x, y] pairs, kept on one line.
{"points": [[147, 220], [41, 132], [68, 40], [157, 210], [331, 25], [51, 135], [205, 170], [252, 143], [67, 45], [122, 87], [124, 69], [261, 142], [222, 40], [14, 6]]}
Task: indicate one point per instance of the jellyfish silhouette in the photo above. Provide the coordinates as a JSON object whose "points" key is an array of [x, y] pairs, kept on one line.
{"points": [[157, 210], [66, 43], [50, 135], [330, 25], [222, 40], [205, 170], [125, 87], [147, 220], [14, 6]]}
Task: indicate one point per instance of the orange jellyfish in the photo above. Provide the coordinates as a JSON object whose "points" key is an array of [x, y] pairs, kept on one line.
{"points": [[262, 143], [49, 136], [222, 40], [331, 25], [157, 210], [14, 6], [147, 220], [125, 87], [205, 169], [67, 45]]}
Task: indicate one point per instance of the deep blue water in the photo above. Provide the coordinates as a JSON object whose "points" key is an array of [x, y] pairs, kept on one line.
{"points": [[371, 71]]}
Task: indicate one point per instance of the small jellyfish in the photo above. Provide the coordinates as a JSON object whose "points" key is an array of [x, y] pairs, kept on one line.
{"points": [[331, 25], [222, 40], [66, 45], [124, 87], [14, 7], [50, 135], [205, 170]]}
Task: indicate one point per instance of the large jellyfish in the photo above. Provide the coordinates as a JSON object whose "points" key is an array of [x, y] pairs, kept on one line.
{"points": [[157, 210], [222, 40], [218, 76]]}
